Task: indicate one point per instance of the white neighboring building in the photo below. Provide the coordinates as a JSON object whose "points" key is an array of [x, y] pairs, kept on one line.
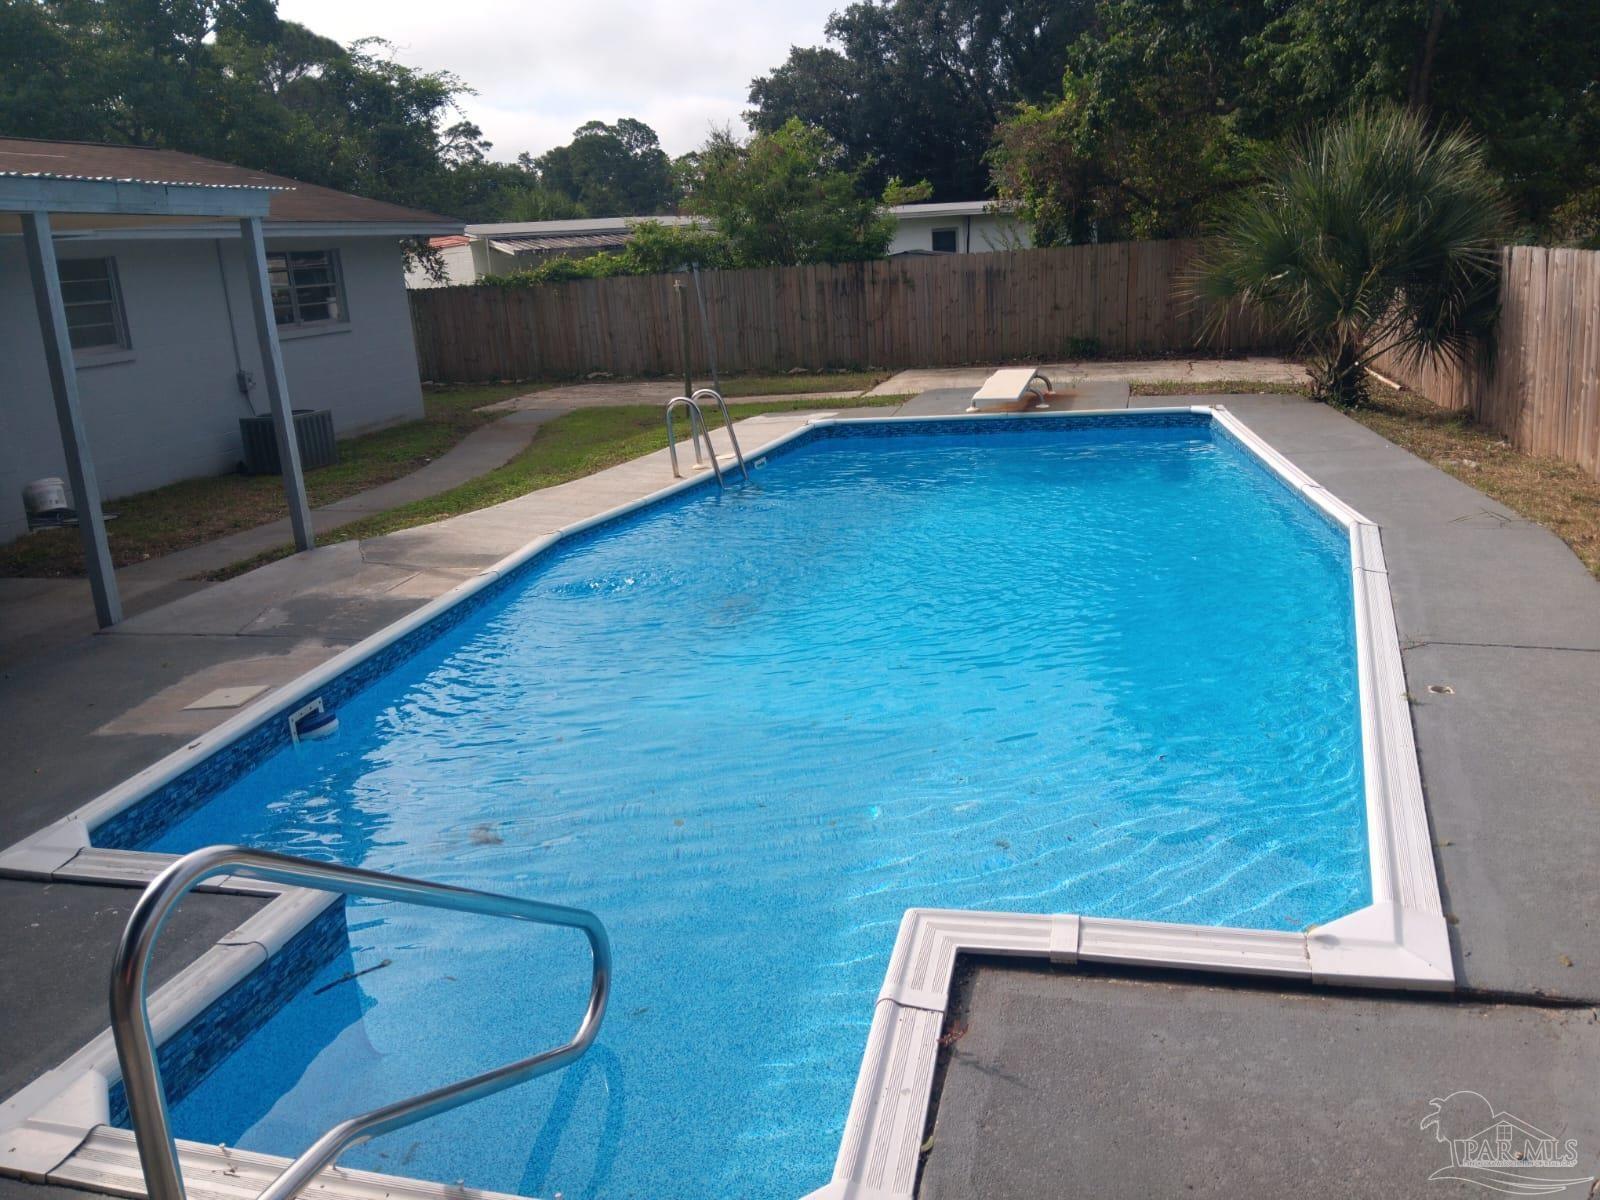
{"points": [[959, 227], [505, 247], [164, 345], [963, 227]]}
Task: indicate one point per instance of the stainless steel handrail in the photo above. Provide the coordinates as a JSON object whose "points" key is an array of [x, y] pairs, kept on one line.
{"points": [[136, 1049], [727, 423], [697, 430]]}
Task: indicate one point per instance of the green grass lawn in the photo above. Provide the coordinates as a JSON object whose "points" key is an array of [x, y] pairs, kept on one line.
{"points": [[569, 447], [1561, 496], [185, 514]]}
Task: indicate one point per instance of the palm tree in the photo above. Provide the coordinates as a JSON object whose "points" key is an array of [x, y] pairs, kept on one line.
{"points": [[1372, 234]]}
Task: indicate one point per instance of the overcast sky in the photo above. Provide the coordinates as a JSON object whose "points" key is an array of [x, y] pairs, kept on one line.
{"points": [[542, 69]]}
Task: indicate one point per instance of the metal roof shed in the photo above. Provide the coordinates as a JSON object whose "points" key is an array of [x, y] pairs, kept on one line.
{"points": [[31, 199]]}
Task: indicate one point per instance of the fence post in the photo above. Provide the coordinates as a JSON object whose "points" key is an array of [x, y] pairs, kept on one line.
{"points": [[683, 334]]}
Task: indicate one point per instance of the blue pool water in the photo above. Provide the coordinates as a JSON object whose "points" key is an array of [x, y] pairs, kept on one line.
{"points": [[1100, 670]]}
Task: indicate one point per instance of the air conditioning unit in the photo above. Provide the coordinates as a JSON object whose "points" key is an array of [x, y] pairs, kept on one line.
{"points": [[313, 430]]}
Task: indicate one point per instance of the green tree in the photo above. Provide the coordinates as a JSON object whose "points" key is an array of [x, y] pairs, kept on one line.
{"points": [[611, 170], [654, 249], [1142, 134], [139, 71], [787, 197], [1162, 104], [228, 79], [914, 88], [1523, 75], [535, 202], [1374, 234], [657, 247]]}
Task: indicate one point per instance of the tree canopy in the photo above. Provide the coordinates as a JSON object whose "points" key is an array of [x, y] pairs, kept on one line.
{"points": [[1135, 118], [789, 196], [1095, 118], [914, 88], [230, 80], [1165, 106], [610, 170], [776, 199]]}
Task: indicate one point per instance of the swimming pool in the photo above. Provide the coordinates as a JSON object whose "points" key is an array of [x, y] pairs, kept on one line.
{"points": [[1101, 666]]}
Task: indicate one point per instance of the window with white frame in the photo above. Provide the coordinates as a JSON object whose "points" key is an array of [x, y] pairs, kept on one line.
{"points": [[944, 241], [89, 293], [306, 287]]}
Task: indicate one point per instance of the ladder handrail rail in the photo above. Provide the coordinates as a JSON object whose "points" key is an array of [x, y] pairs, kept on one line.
{"points": [[727, 423], [697, 430], [135, 1040]]}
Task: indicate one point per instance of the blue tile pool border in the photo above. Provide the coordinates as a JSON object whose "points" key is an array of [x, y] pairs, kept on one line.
{"points": [[215, 1032]]}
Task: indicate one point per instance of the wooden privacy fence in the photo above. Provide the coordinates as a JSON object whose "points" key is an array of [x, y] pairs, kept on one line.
{"points": [[926, 310], [1543, 391]]}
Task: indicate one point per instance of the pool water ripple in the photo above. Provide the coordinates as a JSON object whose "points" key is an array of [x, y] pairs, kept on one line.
{"points": [[1098, 671]]}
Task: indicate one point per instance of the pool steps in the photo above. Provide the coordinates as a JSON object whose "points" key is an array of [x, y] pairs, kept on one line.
{"points": [[698, 434]]}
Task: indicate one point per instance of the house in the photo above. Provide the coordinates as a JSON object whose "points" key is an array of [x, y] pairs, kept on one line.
{"points": [[965, 227], [155, 287], [958, 227], [505, 247]]}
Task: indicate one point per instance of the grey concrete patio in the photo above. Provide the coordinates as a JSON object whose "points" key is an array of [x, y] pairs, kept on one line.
{"points": [[1495, 608], [38, 615], [1082, 1084]]}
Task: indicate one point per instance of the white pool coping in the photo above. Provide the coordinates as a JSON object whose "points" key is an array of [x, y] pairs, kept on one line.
{"points": [[55, 1130]]}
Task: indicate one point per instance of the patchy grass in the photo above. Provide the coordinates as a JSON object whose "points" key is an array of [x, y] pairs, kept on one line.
{"points": [[569, 447], [1557, 495], [1216, 387], [185, 514]]}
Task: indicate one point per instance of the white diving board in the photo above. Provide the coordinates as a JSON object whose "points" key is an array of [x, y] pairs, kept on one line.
{"points": [[1010, 386]]}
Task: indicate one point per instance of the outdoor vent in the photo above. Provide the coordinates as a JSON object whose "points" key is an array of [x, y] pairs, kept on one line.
{"points": [[313, 430]]}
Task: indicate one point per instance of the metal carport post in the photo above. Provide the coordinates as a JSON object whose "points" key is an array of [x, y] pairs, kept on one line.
{"points": [[105, 205]]}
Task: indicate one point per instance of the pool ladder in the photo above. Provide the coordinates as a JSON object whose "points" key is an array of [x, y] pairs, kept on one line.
{"points": [[136, 1049], [698, 433]]}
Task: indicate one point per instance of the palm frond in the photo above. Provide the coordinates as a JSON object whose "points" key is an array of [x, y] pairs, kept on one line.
{"points": [[1372, 233]]}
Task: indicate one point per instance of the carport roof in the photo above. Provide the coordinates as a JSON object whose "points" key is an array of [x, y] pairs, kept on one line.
{"points": [[291, 203]]}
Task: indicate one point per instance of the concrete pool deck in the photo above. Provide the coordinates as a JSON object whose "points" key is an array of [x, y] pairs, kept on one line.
{"points": [[1159, 1085], [1489, 606]]}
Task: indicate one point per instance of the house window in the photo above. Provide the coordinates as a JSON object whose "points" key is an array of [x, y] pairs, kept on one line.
{"points": [[89, 293], [306, 286], [944, 241]]}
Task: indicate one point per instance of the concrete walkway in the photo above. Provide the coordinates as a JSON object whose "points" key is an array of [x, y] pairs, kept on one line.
{"points": [[1489, 606], [1154, 370]]}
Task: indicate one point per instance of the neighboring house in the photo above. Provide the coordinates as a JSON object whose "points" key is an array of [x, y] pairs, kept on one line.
{"points": [[960, 227], [166, 355], [501, 249], [967, 227]]}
